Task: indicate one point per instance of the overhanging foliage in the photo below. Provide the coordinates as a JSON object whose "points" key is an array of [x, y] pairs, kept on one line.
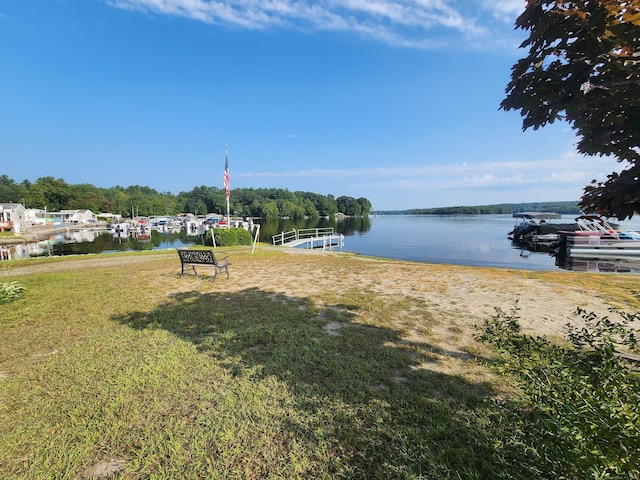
{"points": [[582, 67]]}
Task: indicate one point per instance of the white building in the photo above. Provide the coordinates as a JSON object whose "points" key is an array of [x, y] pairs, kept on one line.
{"points": [[37, 216], [74, 216], [12, 217], [111, 217]]}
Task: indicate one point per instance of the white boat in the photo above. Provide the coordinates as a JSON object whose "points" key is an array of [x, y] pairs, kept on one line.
{"points": [[166, 224], [120, 230], [626, 248], [160, 224], [599, 239], [194, 227], [142, 232]]}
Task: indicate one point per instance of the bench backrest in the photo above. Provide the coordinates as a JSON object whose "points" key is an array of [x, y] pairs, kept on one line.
{"points": [[196, 256]]}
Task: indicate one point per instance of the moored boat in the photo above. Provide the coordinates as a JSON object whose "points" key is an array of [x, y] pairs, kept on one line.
{"points": [[598, 239], [538, 227], [625, 248], [120, 230], [195, 227]]}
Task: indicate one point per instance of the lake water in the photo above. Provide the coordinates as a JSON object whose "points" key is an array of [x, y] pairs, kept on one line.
{"points": [[460, 239], [479, 240]]}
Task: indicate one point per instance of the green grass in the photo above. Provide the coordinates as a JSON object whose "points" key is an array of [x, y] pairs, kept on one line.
{"points": [[179, 378]]}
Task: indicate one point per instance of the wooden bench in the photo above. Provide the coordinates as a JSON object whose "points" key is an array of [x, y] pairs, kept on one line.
{"points": [[206, 258]]}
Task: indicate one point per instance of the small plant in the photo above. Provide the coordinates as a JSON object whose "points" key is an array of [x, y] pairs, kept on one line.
{"points": [[10, 291], [503, 328], [582, 403]]}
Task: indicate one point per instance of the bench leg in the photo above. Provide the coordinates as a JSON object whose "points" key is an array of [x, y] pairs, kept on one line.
{"points": [[220, 268], [215, 269], [192, 267]]}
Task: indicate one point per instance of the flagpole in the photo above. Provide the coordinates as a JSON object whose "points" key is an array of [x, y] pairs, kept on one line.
{"points": [[226, 147]]}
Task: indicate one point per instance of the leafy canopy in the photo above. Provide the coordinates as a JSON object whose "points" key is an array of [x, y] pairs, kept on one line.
{"points": [[583, 68]]}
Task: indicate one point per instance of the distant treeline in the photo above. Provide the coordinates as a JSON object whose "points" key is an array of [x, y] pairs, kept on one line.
{"points": [[568, 208], [55, 195]]}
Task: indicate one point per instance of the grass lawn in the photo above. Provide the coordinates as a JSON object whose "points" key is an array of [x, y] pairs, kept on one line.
{"points": [[126, 366]]}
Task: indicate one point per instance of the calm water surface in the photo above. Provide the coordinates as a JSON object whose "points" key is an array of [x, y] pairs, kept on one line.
{"points": [[459, 239], [479, 240]]}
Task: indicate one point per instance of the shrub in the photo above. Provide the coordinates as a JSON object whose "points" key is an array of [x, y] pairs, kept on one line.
{"points": [[228, 237], [582, 409], [10, 291]]}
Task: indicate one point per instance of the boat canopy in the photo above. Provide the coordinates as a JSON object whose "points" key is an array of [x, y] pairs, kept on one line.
{"points": [[538, 215]]}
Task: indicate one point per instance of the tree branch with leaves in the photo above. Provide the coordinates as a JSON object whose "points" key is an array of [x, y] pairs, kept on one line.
{"points": [[583, 67]]}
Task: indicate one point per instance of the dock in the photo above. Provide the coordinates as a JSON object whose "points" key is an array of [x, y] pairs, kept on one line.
{"points": [[324, 238]]}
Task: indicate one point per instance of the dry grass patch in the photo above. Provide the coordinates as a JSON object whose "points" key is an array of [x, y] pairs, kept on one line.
{"points": [[298, 366]]}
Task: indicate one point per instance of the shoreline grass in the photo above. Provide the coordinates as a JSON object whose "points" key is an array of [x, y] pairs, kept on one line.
{"points": [[175, 376]]}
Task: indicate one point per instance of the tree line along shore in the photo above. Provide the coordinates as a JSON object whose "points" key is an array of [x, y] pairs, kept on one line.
{"points": [[56, 194]]}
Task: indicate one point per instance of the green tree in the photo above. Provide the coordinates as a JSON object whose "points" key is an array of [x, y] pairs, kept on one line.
{"points": [[309, 208], [87, 196], [365, 205], [328, 206], [56, 194], [270, 210], [582, 67], [9, 190], [198, 201], [349, 206], [49, 193], [118, 200]]}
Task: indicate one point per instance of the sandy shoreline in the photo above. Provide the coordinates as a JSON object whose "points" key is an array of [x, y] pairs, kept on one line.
{"points": [[458, 296]]}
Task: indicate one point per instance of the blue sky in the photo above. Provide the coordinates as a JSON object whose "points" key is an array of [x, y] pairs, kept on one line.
{"points": [[392, 100]]}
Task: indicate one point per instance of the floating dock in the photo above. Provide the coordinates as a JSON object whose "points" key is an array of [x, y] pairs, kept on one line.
{"points": [[309, 238]]}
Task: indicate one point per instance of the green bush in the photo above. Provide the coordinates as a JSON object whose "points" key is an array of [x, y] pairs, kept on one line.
{"points": [[228, 237], [581, 414], [10, 291]]}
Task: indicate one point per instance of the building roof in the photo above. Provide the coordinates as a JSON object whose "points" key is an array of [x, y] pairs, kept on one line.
{"points": [[10, 206]]}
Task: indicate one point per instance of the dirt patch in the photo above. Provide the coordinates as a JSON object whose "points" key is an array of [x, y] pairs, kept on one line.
{"points": [[458, 297], [104, 470]]}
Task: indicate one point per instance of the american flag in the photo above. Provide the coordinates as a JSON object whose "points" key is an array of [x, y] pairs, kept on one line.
{"points": [[225, 182]]}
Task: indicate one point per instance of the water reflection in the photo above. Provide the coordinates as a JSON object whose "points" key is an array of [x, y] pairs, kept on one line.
{"points": [[108, 242], [96, 241], [596, 265], [347, 226], [101, 241], [82, 239], [599, 265]]}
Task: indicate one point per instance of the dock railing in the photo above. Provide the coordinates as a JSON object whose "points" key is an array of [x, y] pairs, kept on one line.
{"points": [[300, 234]]}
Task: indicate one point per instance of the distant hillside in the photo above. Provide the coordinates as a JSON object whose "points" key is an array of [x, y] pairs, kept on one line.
{"points": [[568, 208]]}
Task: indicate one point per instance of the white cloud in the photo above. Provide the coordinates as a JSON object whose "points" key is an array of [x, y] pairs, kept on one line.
{"points": [[570, 167], [439, 184], [407, 23], [505, 10], [567, 175]]}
